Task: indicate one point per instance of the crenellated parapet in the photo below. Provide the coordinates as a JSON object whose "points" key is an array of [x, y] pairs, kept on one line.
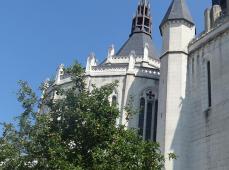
{"points": [[146, 72], [216, 14], [206, 38], [138, 65], [123, 70], [141, 66]]}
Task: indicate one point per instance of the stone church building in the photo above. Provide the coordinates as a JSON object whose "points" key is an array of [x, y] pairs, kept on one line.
{"points": [[183, 94]]}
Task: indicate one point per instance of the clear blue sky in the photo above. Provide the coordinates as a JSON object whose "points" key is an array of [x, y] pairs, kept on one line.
{"points": [[38, 35]]}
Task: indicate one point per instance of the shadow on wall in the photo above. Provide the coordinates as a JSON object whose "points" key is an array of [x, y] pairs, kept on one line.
{"points": [[180, 143], [181, 138]]}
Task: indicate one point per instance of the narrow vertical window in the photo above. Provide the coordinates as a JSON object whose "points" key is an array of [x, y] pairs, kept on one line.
{"points": [[209, 83], [193, 68], [141, 116], [149, 115], [114, 101], [155, 121]]}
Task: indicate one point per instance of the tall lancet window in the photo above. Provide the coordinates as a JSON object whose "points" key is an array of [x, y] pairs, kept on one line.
{"points": [[114, 100], [141, 116], [147, 123], [149, 114], [209, 84], [155, 121]]}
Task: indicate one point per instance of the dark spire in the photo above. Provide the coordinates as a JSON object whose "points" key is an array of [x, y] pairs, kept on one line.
{"points": [[140, 33], [223, 4], [178, 10], [142, 21], [215, 2]]}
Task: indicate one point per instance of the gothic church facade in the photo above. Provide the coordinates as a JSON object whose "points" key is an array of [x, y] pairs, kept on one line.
{"points": [[183, 94]]}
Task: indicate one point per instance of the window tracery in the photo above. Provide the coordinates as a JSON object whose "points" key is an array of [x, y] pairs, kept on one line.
{"points": [[147, 122]]}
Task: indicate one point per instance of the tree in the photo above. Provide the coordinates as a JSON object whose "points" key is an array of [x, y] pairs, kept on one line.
{"points": [[78, 131]]}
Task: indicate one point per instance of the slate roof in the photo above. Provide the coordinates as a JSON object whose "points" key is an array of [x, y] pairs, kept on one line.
{"points": [[177, 10], [136, 42]]}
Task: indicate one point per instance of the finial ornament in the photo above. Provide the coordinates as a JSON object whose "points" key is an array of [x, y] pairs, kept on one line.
{"points": [[111, 50], [131, 61], [146, 52], [111, 53], [59, 73], [91, 61]]}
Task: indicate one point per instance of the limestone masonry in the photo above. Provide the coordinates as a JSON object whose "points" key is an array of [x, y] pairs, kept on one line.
{"points": [[182, 95]]}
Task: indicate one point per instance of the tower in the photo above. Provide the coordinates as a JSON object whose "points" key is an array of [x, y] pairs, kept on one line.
{"points": [[141, 52], [141, 33], [142, 21], [177, 30]]}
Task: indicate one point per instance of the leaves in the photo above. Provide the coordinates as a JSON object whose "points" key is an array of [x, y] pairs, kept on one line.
{"points": [[77, 131]]}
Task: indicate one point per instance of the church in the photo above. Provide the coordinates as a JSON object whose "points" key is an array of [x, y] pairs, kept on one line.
{"points": [[182, 95]]}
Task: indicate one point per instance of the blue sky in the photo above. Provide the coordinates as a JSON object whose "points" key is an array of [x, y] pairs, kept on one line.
{"points": [[38, 35]]}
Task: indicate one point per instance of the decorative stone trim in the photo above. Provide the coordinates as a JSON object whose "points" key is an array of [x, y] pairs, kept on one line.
{"points": [[173, 52], [109, 68]]}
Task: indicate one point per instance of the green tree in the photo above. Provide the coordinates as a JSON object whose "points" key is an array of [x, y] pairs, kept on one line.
{"points": [[77, 132]]}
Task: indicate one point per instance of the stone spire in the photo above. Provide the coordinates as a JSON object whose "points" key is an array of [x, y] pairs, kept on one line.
{"points": [[142, 21], [178, 10]]}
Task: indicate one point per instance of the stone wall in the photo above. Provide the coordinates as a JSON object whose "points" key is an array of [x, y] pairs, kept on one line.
{"points": [[209, 126]]}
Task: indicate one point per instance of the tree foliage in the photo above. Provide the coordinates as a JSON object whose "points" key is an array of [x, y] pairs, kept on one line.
{"points": [[77, 132]]}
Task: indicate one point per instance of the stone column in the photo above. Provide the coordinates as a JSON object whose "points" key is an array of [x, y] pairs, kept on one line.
{"points": [[111, 53], [91, 61], [207, 20], [215, 13]]}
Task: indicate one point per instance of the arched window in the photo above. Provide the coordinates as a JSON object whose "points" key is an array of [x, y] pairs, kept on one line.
{"points": [[155, 121], [149, 114], [147, 123], [114, 100], [141, 116]]}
